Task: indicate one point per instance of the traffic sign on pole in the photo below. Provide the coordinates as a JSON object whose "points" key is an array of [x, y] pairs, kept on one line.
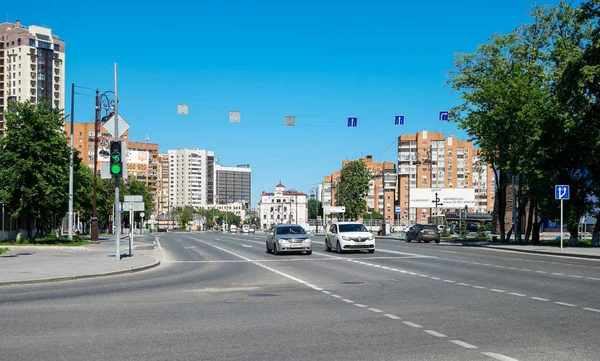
{"points": [[352, 122], [444, 116], [399, 120], [562, 192], [398, 210]]}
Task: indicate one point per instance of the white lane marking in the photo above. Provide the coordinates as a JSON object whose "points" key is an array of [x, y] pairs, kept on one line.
{"points": [[480, 287], [426, 276], [541, 272], [526, 270], [462, 344], [496, 290], [593, 278], [393, 317], [411, 324], [517, 294], [448, 252], [463, 284], [565, 304], [347, 300], [436, 334], [449, 281], [375, 310], [498, 356], [326, 292], [246, 245], [336, 296], [591, 309], [360, 305], [558, 274], [405, 253], [436, 278], [539, 299], [575, 276]]}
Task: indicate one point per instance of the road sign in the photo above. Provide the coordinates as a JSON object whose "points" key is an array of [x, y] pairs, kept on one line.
{"points": [[398, 210], [134, 198], [444, 116], [399, 120], [352, 122], [142, 214], [290, 120], [336, 209], [182, 109], [235, 116], [109, 126], [561, 192], [137, 206]]}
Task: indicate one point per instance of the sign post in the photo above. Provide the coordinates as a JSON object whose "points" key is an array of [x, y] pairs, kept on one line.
{"points": [[561, 192], [398, 211]]}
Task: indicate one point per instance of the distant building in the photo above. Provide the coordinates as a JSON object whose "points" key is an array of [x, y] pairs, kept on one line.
{"points": [[191, 178], [32, 67], [142, 165], [83, 142], [163, 184], [233, 184], [283, 206]]}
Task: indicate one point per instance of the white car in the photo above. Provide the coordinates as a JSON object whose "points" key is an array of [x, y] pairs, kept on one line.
{"points": [[346, 236]]}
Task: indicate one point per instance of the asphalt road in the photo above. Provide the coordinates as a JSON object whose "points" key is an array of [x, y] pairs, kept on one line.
{"points": [[221, 297]]}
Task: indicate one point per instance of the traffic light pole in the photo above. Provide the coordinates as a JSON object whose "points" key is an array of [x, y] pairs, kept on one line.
{"points": [[117, 217]]}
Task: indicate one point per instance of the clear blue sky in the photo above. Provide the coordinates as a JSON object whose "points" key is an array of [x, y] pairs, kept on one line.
{"points": [[322, 61]]}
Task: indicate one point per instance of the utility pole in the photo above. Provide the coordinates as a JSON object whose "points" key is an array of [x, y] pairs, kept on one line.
{"points": [[70, 164], [116, 135]]}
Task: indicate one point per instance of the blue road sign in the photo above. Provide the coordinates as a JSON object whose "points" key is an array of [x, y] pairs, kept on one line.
{"points": [[352, 122], [399, 120], [561, 192], [229, 196], [444, 116], [398, 210]]}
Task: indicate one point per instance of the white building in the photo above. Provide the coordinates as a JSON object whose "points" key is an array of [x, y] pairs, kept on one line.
{"points": [[191, 178], [237, 208], [283, 206], [32, 67]]}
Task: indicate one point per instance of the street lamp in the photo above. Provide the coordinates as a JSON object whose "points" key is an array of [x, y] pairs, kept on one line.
{"points": [[102, 102], [313, 193]]}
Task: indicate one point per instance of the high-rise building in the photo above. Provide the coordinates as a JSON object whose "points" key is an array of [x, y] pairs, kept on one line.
{"points": [[233, 184], [191, 178], [142, 165], [32, 67], [163, 181], [430, 160], [381, 196]]}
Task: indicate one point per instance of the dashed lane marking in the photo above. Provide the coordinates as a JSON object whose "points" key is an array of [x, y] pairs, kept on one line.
{"points": [[436, 334], [462, 344]]}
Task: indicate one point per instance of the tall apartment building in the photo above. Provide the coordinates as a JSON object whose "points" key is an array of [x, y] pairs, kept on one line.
{"points": [[163, 184], [142, 165], [233, 184], [429, 160], [381, 196], [191, 178], [32, 67]]}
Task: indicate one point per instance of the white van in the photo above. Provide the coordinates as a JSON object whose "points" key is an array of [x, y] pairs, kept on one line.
{"points": [[233, 229], [245, 228]]}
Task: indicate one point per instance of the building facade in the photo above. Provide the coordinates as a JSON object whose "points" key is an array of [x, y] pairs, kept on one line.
{"points": [[32, 67], [283, 206], [381, 196], [163, 183], [430, 160], [83, 143], [233, 184], [191, 178], [142, 165]]}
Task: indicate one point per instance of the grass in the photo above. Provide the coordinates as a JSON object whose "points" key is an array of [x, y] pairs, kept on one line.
{"points": [[47, 241], [3, 250]]}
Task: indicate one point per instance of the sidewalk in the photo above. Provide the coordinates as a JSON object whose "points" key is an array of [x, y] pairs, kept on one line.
{"points": [[36, 264]]}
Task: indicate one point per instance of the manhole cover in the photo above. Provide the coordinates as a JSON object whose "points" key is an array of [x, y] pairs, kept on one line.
{"points": [[262, 295], [352, 283]]}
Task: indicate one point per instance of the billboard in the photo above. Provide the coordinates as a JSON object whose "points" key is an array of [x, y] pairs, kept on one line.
{"points": [[137, 160], [447, 197]]}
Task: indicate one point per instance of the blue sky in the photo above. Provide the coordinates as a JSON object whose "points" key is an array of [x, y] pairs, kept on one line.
{"points": [[322, 61]]}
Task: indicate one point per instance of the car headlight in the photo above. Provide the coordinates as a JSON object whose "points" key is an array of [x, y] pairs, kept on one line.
{"points": [[345, 238], [283, 240], [371, 237]]}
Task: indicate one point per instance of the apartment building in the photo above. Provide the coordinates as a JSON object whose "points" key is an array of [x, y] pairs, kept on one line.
{"points": [[83, 142], [381, 196], [32, 67], [233, 184], [163, 184], [430, 160], [142, 165], [283, 206], [191, 178]]}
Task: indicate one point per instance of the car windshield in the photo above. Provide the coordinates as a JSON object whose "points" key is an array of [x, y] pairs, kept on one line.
{"points": [[290, 230], [353, 228]]}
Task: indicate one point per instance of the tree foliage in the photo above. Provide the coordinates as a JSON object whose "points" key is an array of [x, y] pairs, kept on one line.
{"points": [[34, 166], [353, 187], [314, 209]]}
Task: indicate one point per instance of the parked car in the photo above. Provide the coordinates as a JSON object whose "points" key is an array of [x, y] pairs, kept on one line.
{"points": [[344, 236], [288, 238], [233, 228], [423, 232], [245, 228], [251, 230]]}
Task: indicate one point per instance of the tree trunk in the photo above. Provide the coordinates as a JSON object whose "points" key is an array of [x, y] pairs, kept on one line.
{"points": [[596, 232], [572, 227], [501, 199], [530, 216], [535, 238]]}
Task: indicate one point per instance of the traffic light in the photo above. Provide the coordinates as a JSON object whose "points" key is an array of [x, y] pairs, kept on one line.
{"points": [[116, 160]]}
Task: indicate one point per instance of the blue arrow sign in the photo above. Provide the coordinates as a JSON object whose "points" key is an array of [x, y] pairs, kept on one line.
{"points": [[444, 116], [398, 210], [352, 122], [561, 192], [399, 120]]}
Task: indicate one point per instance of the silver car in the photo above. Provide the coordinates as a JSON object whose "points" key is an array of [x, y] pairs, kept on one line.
{"points": [[288, 238]]}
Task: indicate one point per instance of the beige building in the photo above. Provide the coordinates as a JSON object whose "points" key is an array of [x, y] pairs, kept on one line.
{"points": [[142, 165], [32, 67], [163, 183], [83, 142], [191, 178], [381, 196], [429, 160]]}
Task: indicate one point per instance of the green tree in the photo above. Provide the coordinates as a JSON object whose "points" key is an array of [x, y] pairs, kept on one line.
{"points": [[83, 188], [372, 215], [353, 187], [34, 166], [135, 187], [184, 216], [314, 209]]}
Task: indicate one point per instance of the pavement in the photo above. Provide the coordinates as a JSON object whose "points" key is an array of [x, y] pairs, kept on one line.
{"points": [[37, 264]]}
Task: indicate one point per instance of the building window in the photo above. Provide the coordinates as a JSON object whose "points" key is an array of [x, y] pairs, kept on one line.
{"points": [[56, 47], [31, 42]]}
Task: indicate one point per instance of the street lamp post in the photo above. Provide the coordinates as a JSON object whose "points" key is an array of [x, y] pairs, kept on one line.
{"points": [[102, 102], [313, 193]]}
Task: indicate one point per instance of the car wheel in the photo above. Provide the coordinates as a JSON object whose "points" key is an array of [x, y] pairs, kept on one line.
{"points": [[426, 241], [268, 250], [437, 241], [275, 252], [371, 251], [308, 253], [339, 248], [419, 239], [327, 247]]}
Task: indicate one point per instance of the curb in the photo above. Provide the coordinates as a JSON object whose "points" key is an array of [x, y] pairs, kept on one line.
{"points": [[552, 253], [78, 277]]}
